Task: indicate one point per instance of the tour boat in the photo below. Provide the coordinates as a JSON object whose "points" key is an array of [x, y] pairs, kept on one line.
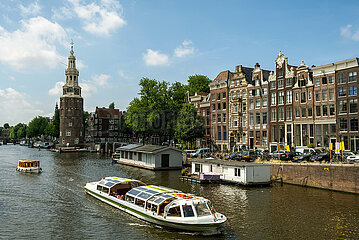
{"points": [[29, 166], [159, 205]]}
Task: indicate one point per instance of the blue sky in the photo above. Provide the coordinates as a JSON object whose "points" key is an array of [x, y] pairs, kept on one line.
{"points": [[119, 42]]}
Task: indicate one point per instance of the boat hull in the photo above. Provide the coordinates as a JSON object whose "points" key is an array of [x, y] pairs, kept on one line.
{"points": [[29, 170], [203, 229]]}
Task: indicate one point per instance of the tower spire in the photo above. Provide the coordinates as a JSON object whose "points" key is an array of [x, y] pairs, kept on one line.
{"points": [[72, 48]]}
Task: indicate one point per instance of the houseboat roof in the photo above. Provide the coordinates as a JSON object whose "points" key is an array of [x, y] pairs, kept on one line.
{"points": [[146, 148], [227, 162]]}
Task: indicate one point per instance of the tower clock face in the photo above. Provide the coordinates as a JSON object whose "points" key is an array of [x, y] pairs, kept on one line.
{"points": [[70, 89]]}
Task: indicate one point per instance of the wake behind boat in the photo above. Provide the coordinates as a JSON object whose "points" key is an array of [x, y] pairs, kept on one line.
{"points": [[159, 205]]}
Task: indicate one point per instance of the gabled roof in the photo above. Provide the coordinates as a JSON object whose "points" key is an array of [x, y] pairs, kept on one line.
{"points": [[248, 73], [108, 113], [222, 76]]}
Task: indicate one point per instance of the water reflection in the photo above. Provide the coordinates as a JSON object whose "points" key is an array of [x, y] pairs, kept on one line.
{"points": [[53, 204]]}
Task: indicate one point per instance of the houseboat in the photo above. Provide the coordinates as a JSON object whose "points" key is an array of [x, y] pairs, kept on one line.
{"points": [[159, 205], [29, 166]]}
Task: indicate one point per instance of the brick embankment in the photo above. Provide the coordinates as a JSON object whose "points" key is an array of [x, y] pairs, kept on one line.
{"points": [[337, 177]]}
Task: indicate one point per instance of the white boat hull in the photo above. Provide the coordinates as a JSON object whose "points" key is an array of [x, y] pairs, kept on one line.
{"points": [[29, 170], [141, 213]]}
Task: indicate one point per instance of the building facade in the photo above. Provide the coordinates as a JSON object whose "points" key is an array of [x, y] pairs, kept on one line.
{"points": [[71, 107]]}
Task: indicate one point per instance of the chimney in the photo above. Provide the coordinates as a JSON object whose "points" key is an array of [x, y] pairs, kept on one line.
{"points": [[238, 68], [257, 65]]}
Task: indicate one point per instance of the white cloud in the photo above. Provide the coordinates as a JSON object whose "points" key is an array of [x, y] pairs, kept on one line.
{"points": [[57, 89], [16, 106], [155, 58], [185, 49], [347, 32], [32, 9], [99, 18], [101, 80], [34, 45]]}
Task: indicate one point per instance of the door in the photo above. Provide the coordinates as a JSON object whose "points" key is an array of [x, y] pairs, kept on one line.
{"points": [[251, 143], [165, 160]]}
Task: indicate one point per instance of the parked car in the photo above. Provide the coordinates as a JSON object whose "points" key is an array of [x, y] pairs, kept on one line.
{"points": [[201, 152], [306, 150], [249, 156], [276, 154], [324, 156], [346, 154], [353, 159], [235, 156], [188, 152], [287, 156], [299, 157]]}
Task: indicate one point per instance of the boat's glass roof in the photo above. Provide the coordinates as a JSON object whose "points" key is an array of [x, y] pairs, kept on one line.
{"points": [[111, 181]]}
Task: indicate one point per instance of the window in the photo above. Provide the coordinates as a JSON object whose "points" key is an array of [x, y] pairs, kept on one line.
{"points": [[280, 72], [331, 94], [324, 80], [258, 118], [264, 118], [213, 107], [251, 104], [297, 114], [251, 119], [342, 106], [219, 133], [244, 119], [317, 81], [273, 99], [353, 105], [331, 110], [244, 94], [342, 91], [325, 111], [264, 102], [296, 97], [264, 91], [258, 92], [343, 124], [235, 108], [273, 115], [218, 106], [317, 111], [187, 211], [281, 114], [218, 96], [258, 103], [289, 97], [353, 90], [309, 95], [224, 117], [272, 85], [237, 172], [281, 98], [281, 83], [202, 209], [224, 95], [235, 121], [310, 112], [317, 95], [68, 133], [303, 97], [331, 79], [219, 118], [244, 107], [288, 82], [224, 133], [341, 78], [352, 77], [250, 93], [288, 113], [214, 118], [354, 124], [213, 97], [324, 95], [232, 95], [304, 112], [70, 124], [224, 106]]}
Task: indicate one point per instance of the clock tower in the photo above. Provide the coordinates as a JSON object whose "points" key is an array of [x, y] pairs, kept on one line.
{"points": [[71, 107]]}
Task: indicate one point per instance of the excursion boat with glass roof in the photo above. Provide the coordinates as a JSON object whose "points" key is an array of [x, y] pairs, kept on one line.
{"points": [[159, 205], [29, 166]]}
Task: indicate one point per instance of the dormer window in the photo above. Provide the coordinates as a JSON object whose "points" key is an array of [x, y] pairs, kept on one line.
{"points": [[302, 83], [280, 72]]}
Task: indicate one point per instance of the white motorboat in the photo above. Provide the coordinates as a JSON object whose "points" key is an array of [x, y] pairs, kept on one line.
{"points": [[159, 205], [29, 166]]}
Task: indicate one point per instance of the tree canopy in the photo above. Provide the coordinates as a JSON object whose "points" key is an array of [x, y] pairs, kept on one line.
{"points": [[36, 127], [112, 105], [198, 83]]}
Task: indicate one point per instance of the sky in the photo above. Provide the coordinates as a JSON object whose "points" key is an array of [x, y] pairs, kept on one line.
{"points": [[116, 43]]}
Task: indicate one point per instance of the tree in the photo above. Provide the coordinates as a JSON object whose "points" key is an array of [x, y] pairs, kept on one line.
{"points": [[36, 127], [15, 129], [50, 130], [6, 126], [198, 83], [189, 125], [56, 123], [112, 105], [21, 133], [85, 118], [124, 128]]}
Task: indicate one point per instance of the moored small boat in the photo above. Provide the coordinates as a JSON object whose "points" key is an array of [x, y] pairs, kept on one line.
{"points": [[159, 205], [29, 166]]}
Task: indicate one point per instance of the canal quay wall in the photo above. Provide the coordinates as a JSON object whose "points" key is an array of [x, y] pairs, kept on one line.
{"points": [[336, 177]]}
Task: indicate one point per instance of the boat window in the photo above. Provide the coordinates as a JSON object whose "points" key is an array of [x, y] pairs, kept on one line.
{"points": [[105, 190], [130, 199], [144, 195], [187, 211], [141, 188], [99, 187], [140, 202], [174, 212], [152, 191], [133, 192], [202, 209], [159, 200]]}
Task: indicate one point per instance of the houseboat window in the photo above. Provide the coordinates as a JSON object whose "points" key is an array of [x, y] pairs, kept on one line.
{"points": [[237, 172], [174, 212], [202, 209], [140, 202], [187, 211], [198, 167]]}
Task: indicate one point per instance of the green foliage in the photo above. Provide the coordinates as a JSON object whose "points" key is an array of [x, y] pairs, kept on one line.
{"points": [[198, 83], [190, 124], [14, 131], [21, 133], [56, 123], [50, 130], [6, 126], [36, 127], [112, 105], [123, 127], [310, 145]]}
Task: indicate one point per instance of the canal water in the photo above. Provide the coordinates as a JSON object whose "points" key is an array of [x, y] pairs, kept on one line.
{"points": [[53, 205]]}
